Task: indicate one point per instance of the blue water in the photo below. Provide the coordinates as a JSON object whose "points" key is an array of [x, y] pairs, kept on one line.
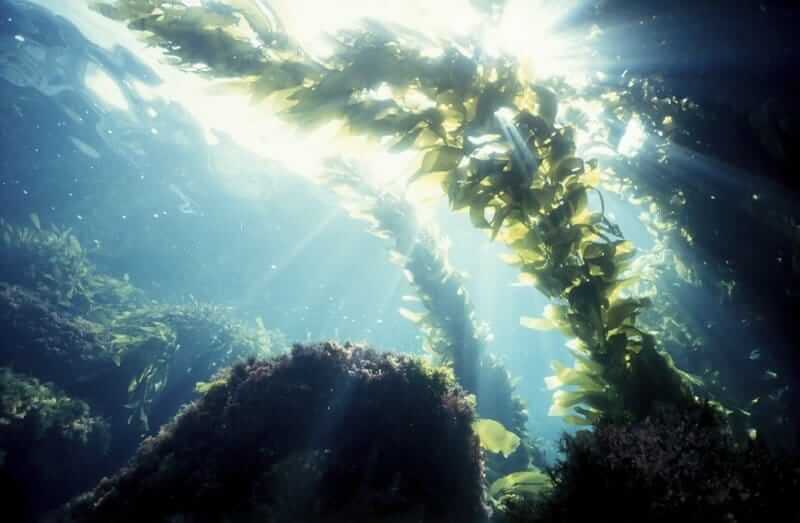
{"points": [[154, 202]]}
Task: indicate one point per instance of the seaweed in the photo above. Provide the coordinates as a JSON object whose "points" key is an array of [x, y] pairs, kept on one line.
{"points": [[52, 262], [134, 362], [489, 138], [710, 247], [453, 336], [492, 142], [68, 323], [51, 446]]}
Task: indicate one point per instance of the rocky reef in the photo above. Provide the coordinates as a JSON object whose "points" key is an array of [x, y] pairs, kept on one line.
{"points": [[348, 433], [50, 445], [676, 465]]}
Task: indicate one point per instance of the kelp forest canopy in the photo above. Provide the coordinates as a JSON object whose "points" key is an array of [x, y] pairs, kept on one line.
{"points": [[502, 144]]}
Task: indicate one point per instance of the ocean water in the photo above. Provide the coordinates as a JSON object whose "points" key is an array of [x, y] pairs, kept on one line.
{"points": [[161, 225]]}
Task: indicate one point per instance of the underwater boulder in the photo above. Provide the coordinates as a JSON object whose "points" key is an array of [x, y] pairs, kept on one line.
{"points": [[326, 433], [51, 446], [676, 465], [41, 340]]}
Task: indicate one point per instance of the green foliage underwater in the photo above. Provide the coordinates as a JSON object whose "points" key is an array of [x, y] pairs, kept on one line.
{"points": [[281, 261]]}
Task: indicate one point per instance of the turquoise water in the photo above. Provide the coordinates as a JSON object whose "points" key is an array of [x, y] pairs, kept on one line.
{"points": [[190, 206]]}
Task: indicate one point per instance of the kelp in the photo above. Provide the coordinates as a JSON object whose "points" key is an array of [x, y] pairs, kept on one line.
{"points": [[50, 445], [51, 261], [66, 322], [48, 344], [745, 281], [214, 37], [451, 330], [532, 482], [195, 338], [95, 364], [494, 437], [45, 408], [453, 335], [489, 139]]}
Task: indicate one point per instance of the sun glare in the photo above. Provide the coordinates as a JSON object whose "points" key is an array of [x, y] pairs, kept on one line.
{"points": [[309, 21], [531, 30], [633, 139], [105, 88]]}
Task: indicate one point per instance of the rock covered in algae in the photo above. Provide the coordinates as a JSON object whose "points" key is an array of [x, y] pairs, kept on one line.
{"points": [[326, 433], [50, 444], [675, 466]]}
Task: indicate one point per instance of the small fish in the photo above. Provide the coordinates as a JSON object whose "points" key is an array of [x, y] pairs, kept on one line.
{"points": [[755, 354]]}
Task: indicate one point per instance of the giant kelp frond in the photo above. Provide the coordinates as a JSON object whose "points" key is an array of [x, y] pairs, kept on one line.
{"points": [[489, 138], [230, 39], [531, 483], [385, 83], [517, 174], [452, 332], [494, 437], [507, 163], [743, 279]]}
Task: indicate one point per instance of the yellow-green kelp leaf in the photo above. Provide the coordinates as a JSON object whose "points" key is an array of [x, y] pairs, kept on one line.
{"points": [[530, 482], [494, 437], [202, 387], [413, 317], [442, 158], [539, 324]]}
